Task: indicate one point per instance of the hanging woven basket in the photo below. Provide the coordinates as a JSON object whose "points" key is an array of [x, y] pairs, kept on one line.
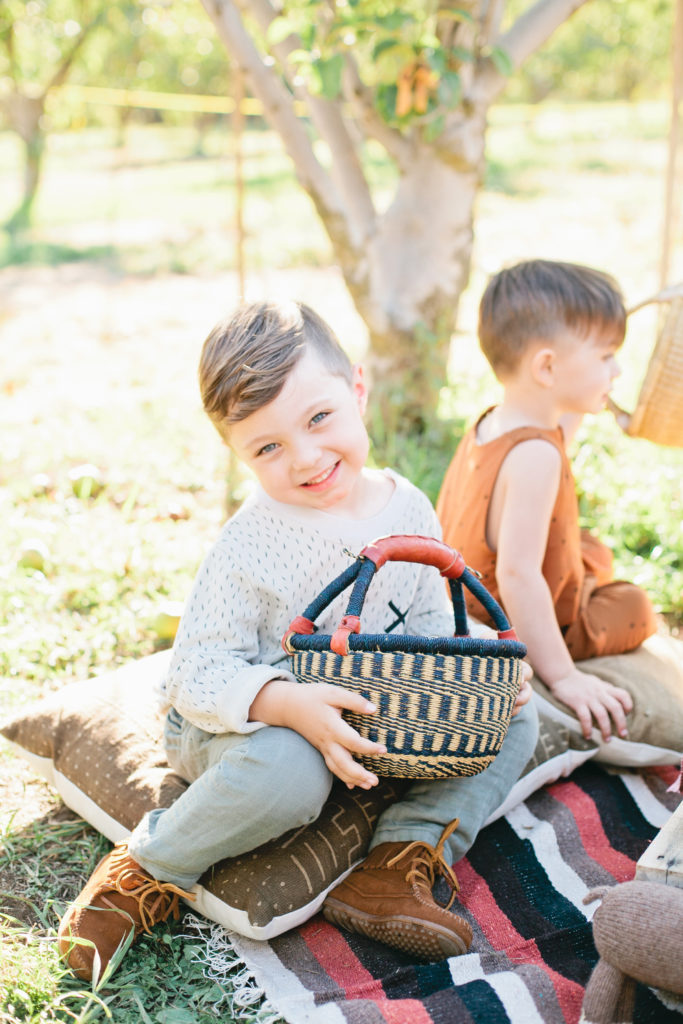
{"points": [[658, 415], [444, 703]]}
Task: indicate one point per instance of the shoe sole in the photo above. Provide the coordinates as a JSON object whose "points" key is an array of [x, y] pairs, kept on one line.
{"points": [[428, 942]]}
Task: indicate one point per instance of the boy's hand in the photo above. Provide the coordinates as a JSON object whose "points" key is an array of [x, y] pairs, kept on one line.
{"points": [[591, 698], [525, 690], [315, 711]]}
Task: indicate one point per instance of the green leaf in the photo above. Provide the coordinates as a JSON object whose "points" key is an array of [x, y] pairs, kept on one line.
{"points": [[502, 61], [382, 46], [300, 57], [393, 20], [455, 14], [461, 54], [437, 60], [433, 129], [176, 1015], [386, 102], [449, 89], [279, 29], [327, 73]]}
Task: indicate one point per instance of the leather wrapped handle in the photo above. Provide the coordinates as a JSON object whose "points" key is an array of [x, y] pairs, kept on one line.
{"points": [[413, 548], [398, 548]]}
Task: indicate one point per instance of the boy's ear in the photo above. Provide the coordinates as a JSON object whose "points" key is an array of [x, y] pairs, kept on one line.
{"points": [[359, 386], [543, 366]]}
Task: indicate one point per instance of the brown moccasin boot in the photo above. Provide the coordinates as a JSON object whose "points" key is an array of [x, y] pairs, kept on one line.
{"points": [[120, 899], [389, 898]]}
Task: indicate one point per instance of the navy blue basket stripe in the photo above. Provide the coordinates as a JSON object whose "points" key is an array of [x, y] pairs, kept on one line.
{"points": [[386, 642]]}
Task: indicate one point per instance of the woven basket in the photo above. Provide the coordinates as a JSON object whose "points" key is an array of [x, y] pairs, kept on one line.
{"points": [[658, 415], [444, 703]]}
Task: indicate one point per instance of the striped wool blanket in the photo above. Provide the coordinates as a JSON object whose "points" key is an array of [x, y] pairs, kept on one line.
{"points": [[522, 889]]}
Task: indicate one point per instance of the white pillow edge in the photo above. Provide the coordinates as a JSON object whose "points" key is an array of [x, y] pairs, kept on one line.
{"points": [[624, 753], [41, 765]]}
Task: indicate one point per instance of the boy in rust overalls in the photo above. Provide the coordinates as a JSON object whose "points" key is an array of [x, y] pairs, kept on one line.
{"points": [[551, 332]]}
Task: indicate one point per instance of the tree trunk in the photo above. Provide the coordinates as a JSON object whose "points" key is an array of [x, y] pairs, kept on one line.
{"points": [[408, 285], [24, 114]]}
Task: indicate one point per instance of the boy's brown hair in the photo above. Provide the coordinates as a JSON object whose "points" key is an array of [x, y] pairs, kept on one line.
{"points": [[538, 299], [247, 357]]}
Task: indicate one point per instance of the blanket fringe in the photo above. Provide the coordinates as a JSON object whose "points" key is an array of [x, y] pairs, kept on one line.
{"points": [[223, 965]]}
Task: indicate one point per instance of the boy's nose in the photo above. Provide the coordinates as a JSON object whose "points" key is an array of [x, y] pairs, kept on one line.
{"points": [[305, 455]]}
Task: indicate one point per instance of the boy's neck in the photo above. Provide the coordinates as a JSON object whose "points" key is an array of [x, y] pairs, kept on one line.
{"points": [[371, 496], [521, 408]]}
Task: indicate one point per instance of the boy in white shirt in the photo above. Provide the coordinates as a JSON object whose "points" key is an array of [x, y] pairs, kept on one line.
{"points": [[259, 749]]}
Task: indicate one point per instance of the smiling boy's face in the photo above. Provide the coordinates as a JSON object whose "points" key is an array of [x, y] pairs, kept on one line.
{"points": [[309, 445]]}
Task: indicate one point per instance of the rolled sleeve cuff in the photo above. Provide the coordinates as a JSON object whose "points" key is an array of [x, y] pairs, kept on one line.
{"points": [[233, 706]]}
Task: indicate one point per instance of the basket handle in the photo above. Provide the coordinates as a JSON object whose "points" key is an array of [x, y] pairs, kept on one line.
{"points": [[672, 291], [399, 548], [413, 548]]}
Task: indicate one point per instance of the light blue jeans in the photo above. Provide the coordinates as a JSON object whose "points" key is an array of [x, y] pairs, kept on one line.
{"points": [[247, 789]]}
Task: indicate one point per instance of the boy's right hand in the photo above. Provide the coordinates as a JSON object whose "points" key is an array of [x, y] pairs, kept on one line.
{"points": [[592, 699], [315, 711]]}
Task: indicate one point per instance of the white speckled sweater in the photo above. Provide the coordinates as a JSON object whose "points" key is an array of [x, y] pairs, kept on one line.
{"points": [[267, 565]]}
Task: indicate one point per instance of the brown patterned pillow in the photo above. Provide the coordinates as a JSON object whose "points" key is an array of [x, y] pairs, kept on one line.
{"points": [[100, 744]]}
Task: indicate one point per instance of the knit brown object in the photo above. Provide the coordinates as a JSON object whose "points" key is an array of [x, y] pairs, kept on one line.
{"points": [[638, 932], [389, 898]]}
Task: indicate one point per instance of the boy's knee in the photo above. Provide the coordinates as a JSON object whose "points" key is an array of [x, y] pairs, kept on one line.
{"points": [[295, 781]]}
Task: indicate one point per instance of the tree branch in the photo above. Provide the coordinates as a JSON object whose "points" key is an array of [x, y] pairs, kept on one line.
{"points": [[346, 169], [371, 124], [63, 70], [278, 106], [11, 55], [491, 13], [531, 30]]}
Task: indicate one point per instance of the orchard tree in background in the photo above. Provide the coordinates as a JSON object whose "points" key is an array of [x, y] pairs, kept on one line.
{"points": [[165, 46], [39, 43], [417, 77]]}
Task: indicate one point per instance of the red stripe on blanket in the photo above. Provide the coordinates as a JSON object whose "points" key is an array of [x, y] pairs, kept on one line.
{"points": [[340, 963], [668, 773], [333, 953], [398, 1011], [589, 825], [503, 936]]}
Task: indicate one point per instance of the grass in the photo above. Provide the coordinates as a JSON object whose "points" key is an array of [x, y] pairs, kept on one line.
{"points": [[105, 304]]}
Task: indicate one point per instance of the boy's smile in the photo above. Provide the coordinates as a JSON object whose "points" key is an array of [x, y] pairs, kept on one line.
{"points": [[323, 478], [309, 445]]}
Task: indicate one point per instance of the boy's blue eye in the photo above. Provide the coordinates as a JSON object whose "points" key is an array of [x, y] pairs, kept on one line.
{"points": [[319, 416], [267, 448]]}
